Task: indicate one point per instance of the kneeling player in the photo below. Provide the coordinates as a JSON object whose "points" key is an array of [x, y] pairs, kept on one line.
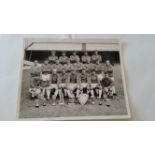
{"points": [[95, 86], [107, 85]]}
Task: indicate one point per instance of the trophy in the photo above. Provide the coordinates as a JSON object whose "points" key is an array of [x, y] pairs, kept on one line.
{"points": [[83, 98]]}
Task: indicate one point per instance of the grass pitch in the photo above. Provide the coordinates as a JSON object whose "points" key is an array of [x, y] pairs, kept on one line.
{"points": [[117, 106]]}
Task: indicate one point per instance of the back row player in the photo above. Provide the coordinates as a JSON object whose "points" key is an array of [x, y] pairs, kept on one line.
{"points": [[63, 59]]}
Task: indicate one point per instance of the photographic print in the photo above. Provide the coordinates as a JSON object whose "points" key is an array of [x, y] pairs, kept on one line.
{"points": [[72, 79]]}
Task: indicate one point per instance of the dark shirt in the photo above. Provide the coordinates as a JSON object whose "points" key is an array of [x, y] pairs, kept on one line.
{"points": [[106, 82]]}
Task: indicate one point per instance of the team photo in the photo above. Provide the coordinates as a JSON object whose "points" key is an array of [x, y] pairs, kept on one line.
{"points": [[71, 80]]}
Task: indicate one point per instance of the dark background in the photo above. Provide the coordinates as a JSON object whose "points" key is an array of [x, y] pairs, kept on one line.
{"points": [[113, 56]]}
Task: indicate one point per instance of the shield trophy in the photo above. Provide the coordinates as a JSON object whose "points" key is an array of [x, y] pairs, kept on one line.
{"points": [[83, 98]]}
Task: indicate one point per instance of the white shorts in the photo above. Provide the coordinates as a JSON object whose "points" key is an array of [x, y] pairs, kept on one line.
{"points": [[93, 85], [72, 86], [84, 85], [106, 89], [53, 86], [62, 85], [45, 77], [100, 77], [112, 78]]}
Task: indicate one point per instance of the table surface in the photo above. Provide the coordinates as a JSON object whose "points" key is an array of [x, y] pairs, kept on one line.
{"points": [[138, 54]]}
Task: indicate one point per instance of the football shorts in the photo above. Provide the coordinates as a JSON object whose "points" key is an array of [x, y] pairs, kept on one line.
{"points": [[94, 85], [62, 85], [45, 77], [72, 86], [53, 86], [100, 77], [84, 85]]}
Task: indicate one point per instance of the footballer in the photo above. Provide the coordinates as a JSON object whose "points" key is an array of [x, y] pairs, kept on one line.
{"points": [[52, 58], [83, 81], [63, 58], [45, 78], [74, 58], [63, 83], [35, 92], [68, 67], [35, 72], [107, 85], [108, 69], [54, 83], [73, 84], [96, 57], [57, 66], [95, 86], [85, 58]]}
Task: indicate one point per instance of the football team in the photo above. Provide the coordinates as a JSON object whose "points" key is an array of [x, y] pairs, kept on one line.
{"points": [[65, 77]]}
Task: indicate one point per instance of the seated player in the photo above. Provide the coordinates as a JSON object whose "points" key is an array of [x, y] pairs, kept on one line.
{"points": [[35, 92], [99, 70], [96, 58], [108, 69], [85, 58], [83, 81], [73, 84], [107, 85], [57, 66], [63, 84], [94, 85], [63, 59], [54, 83], [52, 58], [45, 79], [74, 58], [35, 72]]}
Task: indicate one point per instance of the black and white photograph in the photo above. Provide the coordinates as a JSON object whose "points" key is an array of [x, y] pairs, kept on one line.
{"points": [[72, 79]]}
